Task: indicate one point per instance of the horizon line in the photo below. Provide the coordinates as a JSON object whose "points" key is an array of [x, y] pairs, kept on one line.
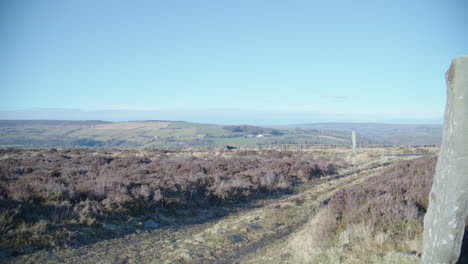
{"points": [[239, 124]]}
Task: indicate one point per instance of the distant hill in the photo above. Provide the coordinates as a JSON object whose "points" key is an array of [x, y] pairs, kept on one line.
{"points": [[51, 133], [10, 123], [396, 134], [253, 130], [62, 133]]}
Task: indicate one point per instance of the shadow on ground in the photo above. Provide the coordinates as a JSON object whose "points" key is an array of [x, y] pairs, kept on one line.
{"points": [[171, 218]]}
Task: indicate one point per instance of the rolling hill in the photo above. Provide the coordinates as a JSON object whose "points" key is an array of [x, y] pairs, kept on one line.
{"points": [[51, 133], [62, 133], [394, 134]]}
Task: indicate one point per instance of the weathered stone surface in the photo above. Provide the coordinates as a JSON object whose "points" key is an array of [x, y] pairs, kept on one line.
{"points": [[444, 222], [109, 226], [353, 139], [150, 223]]}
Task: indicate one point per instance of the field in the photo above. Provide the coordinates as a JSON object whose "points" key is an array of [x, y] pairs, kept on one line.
{"points": [[318, 205], [157, 134], [394, 134]]}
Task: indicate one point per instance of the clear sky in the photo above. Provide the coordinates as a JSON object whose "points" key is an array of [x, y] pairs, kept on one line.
{"points": [[220, 61]]}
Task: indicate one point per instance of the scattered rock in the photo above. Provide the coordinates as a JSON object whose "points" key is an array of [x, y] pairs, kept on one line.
{"points": [[150, 223], [109, 226], [167, 219], [253, 226], [191, 255], [200, 239], [236, 239]]}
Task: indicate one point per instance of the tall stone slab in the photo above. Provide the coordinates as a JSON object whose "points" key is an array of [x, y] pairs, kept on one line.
{"points": [[353, 139], [444, 222]]}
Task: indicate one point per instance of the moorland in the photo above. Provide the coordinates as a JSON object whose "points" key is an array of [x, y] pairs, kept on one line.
{"points": [[214, 205]]}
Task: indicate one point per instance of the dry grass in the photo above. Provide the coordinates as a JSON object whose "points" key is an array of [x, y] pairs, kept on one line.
{"points": [[378, 221], [314, 238], [360, 243]]}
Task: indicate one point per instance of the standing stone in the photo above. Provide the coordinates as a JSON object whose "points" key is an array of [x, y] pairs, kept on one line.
{"points": [[444, 222], [353, 139]]}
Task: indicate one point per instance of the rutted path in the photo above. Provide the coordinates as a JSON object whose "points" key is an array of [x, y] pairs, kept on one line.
{"points": [[230, 239]]}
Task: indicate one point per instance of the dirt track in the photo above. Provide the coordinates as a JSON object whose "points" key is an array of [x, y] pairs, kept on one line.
{"points": [[238, 237]]}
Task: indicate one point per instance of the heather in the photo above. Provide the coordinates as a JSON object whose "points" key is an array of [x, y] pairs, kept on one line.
{"points": [[377, 221], [51, 197], [394, 201]]}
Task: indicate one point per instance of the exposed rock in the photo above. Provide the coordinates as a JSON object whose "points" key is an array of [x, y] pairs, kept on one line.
{"points": [[109, 226], [236, 239], [151, 224]]}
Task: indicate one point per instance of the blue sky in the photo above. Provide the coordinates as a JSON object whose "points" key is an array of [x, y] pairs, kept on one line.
{"points": [[219, 61]]}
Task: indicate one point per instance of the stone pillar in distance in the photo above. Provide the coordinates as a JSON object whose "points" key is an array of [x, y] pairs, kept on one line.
{"points": [[353, 139]]}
